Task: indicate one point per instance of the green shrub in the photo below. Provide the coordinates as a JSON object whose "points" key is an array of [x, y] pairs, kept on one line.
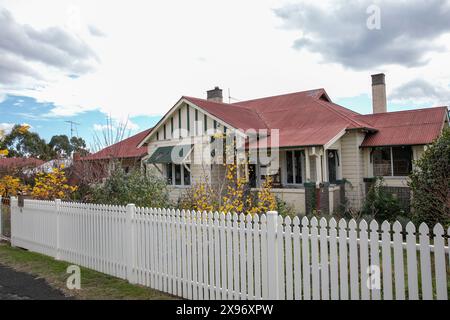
{"points": [[380, 204], [120, 188], [284, 209], [430, 183]]}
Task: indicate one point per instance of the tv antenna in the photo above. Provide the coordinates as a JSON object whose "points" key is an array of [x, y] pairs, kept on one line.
{"points": [[230, 97], [73, 127]]}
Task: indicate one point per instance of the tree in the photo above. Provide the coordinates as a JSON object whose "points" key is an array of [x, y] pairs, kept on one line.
{"points": [[78, 145], [430, 183], [60, 144], [20, 142]]}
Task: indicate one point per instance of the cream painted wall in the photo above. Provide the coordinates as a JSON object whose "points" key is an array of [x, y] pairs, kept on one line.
{"points": [[352, 162]]}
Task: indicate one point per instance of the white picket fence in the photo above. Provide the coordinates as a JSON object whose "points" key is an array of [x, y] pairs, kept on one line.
{"points": [[228, 256]]}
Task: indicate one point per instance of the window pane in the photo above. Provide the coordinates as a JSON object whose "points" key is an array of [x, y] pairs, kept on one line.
{"points": [[177, 174], [289, 167], [187, 176], [382, 162], [169, 173], [298, 167], [402, 160], [332, 165], [252, 175]]}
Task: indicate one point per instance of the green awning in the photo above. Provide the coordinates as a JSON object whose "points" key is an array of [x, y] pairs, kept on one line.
{"points": [[170, 154]]}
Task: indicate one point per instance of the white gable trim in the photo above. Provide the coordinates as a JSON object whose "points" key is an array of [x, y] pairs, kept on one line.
{"points": [[336, 138], [175, 108]]}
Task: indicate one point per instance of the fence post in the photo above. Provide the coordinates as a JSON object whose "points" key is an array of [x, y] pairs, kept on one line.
{"points": [[130, 245], [272, 255], [13, 204], [58, 233]]}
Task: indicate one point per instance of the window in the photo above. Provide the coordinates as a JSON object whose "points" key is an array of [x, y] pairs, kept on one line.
{"points": [[157, 135], [294, 162], [205, 122], [196, 122], [178, 174], [333, 163], [187, 175], [169, 173], [179, 119], [188, 120], [171, 127], [392, 161], [165, 135]]}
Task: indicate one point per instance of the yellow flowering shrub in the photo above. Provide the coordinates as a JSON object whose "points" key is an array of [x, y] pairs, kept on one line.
{"points": [[266, 200], [231, 194], [200, 197], [234, 199], [11, 186], [4, 153], [53, 185]]}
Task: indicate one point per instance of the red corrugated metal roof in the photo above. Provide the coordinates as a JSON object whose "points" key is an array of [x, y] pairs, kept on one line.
{"points": [[236, 116], [412, 127], [124, 149], [17, 163], [305, 118], [310, 118]]}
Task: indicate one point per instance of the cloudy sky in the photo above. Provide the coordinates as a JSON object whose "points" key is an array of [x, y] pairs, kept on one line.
{"points": [[82, 60]]}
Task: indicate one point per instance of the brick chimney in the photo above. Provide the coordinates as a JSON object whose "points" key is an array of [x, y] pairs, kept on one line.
{"points": [[379, 104], [215, 95]]}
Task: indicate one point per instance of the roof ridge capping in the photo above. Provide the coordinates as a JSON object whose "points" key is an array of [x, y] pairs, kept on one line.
{"points": [[404, 111], [356, 123], [314, 93]]}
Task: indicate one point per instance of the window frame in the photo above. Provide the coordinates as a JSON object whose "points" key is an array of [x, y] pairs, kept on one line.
{"points": [[294, 167], [183, 172], [391, 155]]}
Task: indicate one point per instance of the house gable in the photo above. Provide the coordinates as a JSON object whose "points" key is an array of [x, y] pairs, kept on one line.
{"points": [[185, 119]]}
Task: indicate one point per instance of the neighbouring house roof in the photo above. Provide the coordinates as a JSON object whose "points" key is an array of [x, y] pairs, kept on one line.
{"points": [[7, 164], [48, 166], [412, 127], [127, 148]]}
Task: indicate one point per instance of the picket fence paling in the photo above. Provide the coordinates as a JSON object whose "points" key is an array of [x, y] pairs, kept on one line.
{"points": [[201, 255]]}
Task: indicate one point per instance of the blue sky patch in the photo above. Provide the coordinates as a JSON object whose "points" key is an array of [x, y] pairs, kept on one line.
{"points": [[20, 109]]}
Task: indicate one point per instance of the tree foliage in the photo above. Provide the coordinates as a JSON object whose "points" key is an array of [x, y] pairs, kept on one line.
{"points": [[60, 144], [11, 186], [380, 204], [430, 183], [120, 188], [21, 142], [53, 185]]}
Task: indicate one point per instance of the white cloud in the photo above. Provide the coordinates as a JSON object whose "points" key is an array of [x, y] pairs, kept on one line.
{"points": [[151, 56], [3, 96], [421, 92], [125, 125], [6, 127]]}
